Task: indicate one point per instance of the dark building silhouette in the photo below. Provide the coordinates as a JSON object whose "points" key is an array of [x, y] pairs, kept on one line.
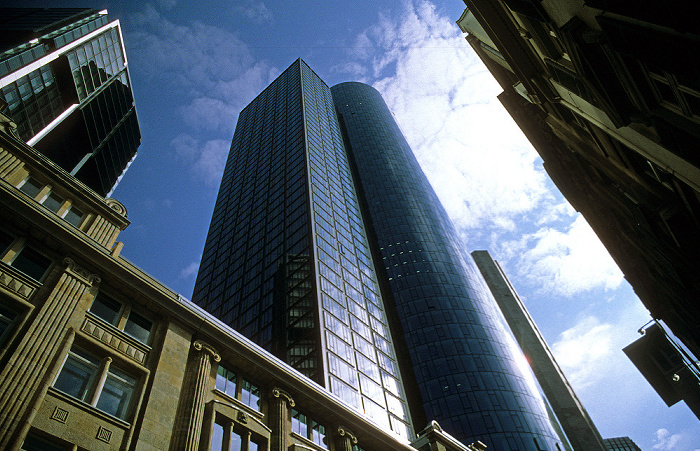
{"points": [[326, 235], [608, 93], [64, 77], [621, 444]]}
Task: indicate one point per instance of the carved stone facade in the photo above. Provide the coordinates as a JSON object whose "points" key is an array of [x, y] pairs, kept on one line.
{"points": [[179, 380]]}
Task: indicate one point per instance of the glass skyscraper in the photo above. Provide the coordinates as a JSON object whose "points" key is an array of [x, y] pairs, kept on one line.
{"points": [[326, 235], [64, 76]]}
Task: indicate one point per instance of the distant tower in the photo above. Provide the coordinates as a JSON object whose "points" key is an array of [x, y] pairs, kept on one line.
{"points": [[577, 425], [621, 444], [64, 76]]}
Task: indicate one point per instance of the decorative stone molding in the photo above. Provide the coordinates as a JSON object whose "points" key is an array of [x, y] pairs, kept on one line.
{"points": [[113, 339], [81, 273], [242, 417], [201, 346], [279, 393], [345, 432], [104, 434], [117, 206], [16, 283], [59, 415]]}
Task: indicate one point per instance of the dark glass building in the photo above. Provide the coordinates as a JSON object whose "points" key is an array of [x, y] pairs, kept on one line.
{"points": [[64, 77], [466, 365], [287, 261], [326, 234]]}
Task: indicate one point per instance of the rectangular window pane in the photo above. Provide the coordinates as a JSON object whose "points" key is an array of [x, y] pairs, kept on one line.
{"points": [[31, 262], [138, 327], [74, 216], [116, 393], [236, 442], [53, 202], [250, 395], [217, 438], [77, 374], [31, 187], [106, 308]]}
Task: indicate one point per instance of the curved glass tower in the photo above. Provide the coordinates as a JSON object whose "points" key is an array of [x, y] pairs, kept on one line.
{"points": [[469, 375]]}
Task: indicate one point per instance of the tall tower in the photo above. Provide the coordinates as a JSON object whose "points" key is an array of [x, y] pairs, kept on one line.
{"points": [[317, 264], [64, 77], [468, 371], [287, 262]]}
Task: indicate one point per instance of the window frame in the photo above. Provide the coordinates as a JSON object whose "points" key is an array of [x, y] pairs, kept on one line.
{"points": [[242, 395], [97, 380], [123, 318], [314, 431]]}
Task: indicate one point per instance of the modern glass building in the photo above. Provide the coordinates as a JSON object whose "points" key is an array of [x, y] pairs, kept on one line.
{"points": [[326, 235], [64, 77], [287, 261], [466, 366]]}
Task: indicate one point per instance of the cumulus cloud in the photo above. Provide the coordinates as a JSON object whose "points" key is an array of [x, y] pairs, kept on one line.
{"points": [[255, 11], [190, 270], [445, 102], [566, 261], [207, 160], [584, 350], [212, 71], [665, 440]]}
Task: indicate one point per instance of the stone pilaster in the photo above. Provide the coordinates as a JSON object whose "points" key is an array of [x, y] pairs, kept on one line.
{"points": [[188, 428], [344, 439], [280, 402], [21, 389]]}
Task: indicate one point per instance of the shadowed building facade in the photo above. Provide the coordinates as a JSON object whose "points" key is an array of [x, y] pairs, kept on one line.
{"points": [[64, 76], [316, 263]]}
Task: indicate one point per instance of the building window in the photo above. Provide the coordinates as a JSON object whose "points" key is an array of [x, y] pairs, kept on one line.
{"points": [[27, 260], [7, 320], [237, 387], [52, 201], [308, 428], [121, 317], [227, 437], [83, 377]]}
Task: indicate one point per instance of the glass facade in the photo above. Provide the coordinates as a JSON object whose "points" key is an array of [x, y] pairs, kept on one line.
{"points": [[287, 260], [468, 371], [77, 108]]}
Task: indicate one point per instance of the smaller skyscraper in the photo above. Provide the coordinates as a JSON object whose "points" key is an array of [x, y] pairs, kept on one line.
{"points": [[64, 76], [621, 444]]}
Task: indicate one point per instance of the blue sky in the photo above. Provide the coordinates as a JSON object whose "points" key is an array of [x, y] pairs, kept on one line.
{"points": [[195, 65]]}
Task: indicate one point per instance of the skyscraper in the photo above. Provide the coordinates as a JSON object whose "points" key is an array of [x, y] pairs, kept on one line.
{"points": [[316, 263], [287, 261], [64, 76]]}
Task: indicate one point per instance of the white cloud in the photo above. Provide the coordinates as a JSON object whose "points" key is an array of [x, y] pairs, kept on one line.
{"points": [[190, 270], [567, 262], [206, 160], [666, 441], [584, 351], [445, 102], [255, 11]]}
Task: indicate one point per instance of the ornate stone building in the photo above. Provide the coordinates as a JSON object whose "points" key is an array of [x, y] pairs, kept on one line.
{"points": [[95, 354], [608, 93]]}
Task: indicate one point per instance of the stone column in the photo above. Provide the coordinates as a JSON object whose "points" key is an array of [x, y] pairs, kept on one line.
{"points": [[280, 402], [22, 386], [344, 439], [188, 428]]}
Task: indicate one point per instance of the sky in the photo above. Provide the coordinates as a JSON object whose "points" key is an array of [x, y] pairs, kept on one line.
{"points": [[195, 64]]}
